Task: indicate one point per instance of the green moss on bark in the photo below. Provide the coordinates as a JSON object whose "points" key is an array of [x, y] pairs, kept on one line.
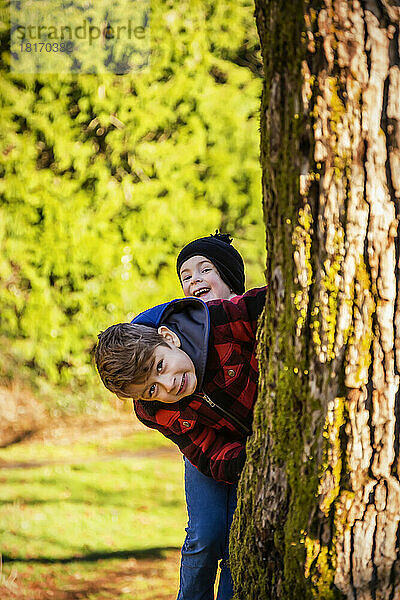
{"points": [[276, 550]]}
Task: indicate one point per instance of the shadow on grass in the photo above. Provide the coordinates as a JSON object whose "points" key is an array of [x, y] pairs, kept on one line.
{"points": [[148, 553], [161, 452], [83, 502]]}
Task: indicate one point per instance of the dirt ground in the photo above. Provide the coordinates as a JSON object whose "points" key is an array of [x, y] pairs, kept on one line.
{"points": [[23, 418], [138, 579], [87, 428]]}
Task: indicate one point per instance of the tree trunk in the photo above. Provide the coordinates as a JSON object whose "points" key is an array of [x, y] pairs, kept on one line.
{"points": [[319, 499]]}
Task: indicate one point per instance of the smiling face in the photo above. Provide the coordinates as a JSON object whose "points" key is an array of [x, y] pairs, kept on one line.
{"points": [[172, 377], [200, 278]]}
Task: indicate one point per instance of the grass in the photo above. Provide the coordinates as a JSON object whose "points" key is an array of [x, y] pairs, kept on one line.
{"points": [[96, 528]]}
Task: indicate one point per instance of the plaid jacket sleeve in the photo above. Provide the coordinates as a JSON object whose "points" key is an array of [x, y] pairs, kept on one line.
{"points": [[237, 319], [206, 448]]}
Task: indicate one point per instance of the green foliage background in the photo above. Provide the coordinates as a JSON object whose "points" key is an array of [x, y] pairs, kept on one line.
{"points": [[103, 178]]}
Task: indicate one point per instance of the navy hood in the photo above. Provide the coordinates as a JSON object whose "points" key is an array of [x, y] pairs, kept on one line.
{"points": [[190, 320]]}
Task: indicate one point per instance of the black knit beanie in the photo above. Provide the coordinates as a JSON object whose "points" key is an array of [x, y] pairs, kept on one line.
{"points": [[217, 248]]}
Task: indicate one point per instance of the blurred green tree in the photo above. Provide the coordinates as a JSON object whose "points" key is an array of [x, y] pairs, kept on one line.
{"points": [[103, 178]]}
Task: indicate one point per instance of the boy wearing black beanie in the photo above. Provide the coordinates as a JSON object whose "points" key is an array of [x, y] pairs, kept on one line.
{"points": [[216, 263], [192, 373], [208, 268]]}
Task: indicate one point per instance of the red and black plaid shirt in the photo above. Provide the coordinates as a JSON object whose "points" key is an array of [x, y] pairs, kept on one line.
{"points": [[213, 438]]}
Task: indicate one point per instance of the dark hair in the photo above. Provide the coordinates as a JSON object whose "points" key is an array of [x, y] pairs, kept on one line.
{"points": [[125, 354], [218, 249]]}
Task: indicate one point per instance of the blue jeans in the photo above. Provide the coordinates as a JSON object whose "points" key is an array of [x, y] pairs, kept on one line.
{"points": [[210, 505]]}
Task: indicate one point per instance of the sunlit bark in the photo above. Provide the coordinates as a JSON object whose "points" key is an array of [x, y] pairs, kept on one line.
{"points": [[319, 500]]}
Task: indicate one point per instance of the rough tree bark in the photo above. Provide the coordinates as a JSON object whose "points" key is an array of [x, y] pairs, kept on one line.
{"points": [[319, 499]]}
